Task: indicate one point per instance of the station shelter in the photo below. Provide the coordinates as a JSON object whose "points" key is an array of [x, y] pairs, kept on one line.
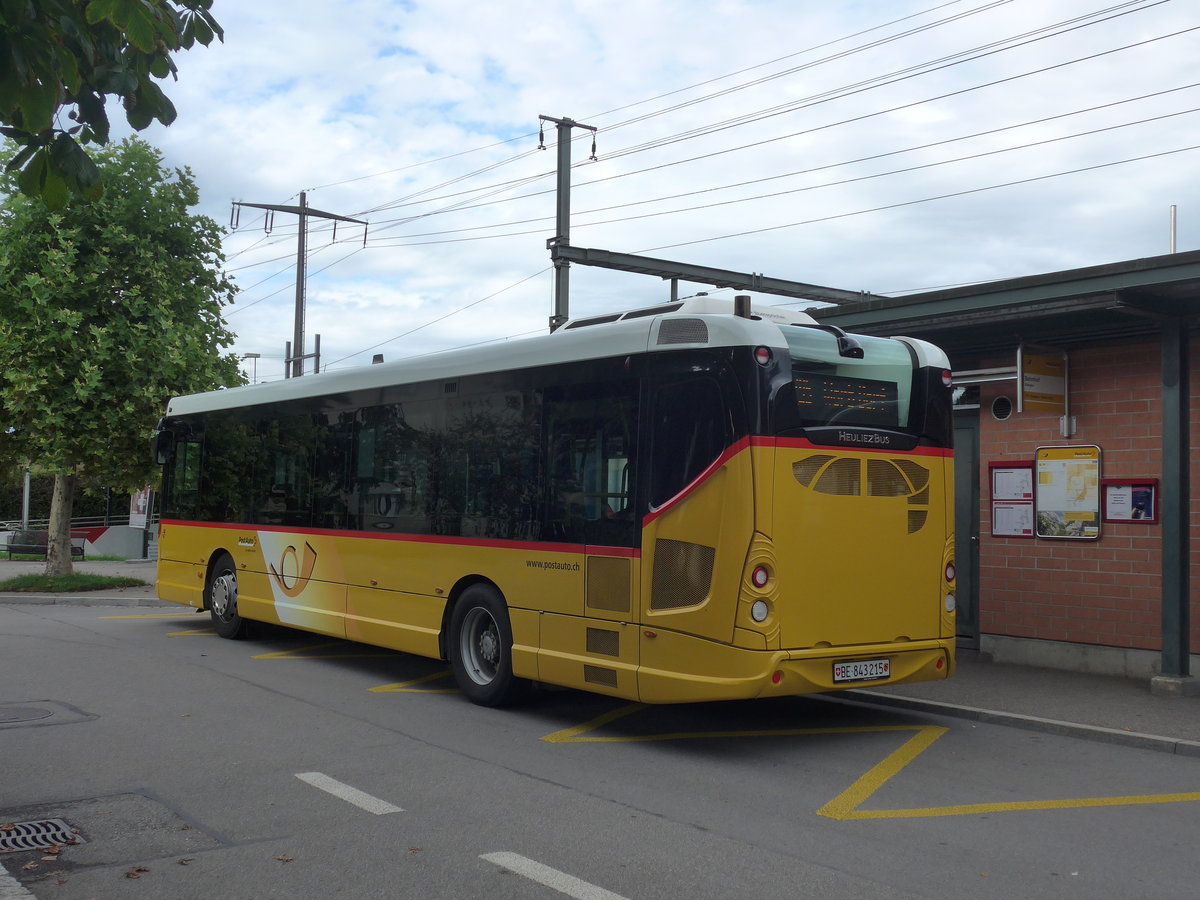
{"points": [[1075, 429]]}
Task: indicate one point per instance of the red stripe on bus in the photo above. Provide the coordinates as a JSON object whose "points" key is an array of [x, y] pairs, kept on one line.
{"points": [[497, 543], [730, 452], [788, 443]]}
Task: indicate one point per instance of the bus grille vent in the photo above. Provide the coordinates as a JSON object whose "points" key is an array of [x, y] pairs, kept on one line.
{"points": [[600, 640], [682, 574], [843, 477], [807, 468], [608, 584], [683, 331], [885, 480], [600, 675]]}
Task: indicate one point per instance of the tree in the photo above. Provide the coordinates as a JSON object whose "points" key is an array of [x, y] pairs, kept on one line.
{"points": [[73, 54], [107, 309]]}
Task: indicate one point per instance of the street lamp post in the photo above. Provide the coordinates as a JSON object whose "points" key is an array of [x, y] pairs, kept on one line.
{"points": [[255, 357]]}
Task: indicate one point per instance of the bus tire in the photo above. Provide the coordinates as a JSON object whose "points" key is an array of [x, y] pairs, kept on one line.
{"points": [[220, 596], [480, 648]]}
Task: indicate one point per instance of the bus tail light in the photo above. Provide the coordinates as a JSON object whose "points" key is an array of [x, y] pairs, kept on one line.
{"points": [[760, 576], [759, 611], [762, 355], [950, 573]]}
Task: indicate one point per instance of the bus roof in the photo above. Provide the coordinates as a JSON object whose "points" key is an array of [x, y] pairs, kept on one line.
{"points": [[672, 326]]}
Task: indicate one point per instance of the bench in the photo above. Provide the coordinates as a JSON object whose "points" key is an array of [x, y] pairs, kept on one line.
{"points": [[33, 543]]}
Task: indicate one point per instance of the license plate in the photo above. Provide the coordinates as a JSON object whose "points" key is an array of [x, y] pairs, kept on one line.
{"points": [[862, 670]]}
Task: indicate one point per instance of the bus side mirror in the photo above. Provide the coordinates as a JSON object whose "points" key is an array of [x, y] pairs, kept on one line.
{"points": [[164, 446]]}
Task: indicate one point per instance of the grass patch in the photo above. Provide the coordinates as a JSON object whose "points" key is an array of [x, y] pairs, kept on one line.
{"points": [[62, 584]]}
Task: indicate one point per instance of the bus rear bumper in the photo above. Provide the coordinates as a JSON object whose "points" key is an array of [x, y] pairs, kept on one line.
{"points": [[791, 673]]}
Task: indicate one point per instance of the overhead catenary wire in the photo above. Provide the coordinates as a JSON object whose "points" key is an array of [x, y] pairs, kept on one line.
{"points": [[1073, 23], [734, 74], [812, 187], [387, 242], [387, 224], [440, 318]]}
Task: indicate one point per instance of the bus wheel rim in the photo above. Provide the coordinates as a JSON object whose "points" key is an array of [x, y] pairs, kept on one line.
{"points": [[224, 596], [481, 646]]}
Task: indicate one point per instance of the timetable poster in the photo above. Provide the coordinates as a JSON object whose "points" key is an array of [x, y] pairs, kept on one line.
{"points": [[1012, 499], [1067, 492]]}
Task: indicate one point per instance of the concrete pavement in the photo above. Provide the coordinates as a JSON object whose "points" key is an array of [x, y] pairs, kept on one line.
{"points": [[1096, 707]]}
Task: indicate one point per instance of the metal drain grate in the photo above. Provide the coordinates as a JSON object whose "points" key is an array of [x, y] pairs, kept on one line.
{"points": [[42, 835]]}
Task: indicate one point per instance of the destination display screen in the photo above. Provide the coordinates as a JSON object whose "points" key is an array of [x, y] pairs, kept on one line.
{"points": [[838, 400]]}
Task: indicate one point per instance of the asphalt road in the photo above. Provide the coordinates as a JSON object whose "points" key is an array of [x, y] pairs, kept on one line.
{"points": [[294, 766]]}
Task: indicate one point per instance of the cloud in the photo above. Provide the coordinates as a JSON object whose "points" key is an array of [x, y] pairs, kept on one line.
{"points": [[422, 117]]}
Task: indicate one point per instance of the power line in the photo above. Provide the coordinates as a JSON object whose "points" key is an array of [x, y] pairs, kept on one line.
{"points": [[455, 312], [964, 193], [837, 94], [820, 168]]}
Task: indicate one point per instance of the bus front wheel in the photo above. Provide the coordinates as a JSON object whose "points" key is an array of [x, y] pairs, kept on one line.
{"points": [[480, 648], [221, 598]]}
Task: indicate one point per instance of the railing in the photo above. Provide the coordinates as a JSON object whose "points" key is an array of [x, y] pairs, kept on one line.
{"points": [[80, 522]]}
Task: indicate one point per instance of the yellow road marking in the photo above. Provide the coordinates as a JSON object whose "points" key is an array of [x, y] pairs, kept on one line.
{"points": [[846, 806], [409, 687], [195, 632], [568, 735]]}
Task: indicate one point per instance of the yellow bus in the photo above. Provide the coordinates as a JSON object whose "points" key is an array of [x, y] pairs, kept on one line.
{"points": [[681, 503]]}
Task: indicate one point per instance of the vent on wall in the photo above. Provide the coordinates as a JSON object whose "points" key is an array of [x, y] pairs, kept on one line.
{"points": [[1002, 408]]}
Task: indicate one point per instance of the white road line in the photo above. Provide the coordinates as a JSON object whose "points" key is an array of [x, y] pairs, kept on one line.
{"points": [[551, 878], [347, 793], [11, 889]]}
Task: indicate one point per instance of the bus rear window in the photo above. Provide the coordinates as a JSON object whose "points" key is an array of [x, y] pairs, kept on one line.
{"points": [[828, 389]]}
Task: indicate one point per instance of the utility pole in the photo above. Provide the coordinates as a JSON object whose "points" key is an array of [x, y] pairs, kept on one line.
{"points": [[297, 356], [562, 237]]}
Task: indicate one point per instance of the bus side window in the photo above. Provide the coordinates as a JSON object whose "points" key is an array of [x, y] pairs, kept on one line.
{"points": [[690, 432], [283, 493], [183, 488], [590, 453]]}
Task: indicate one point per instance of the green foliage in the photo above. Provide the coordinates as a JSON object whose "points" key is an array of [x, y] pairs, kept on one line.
{"points": [[107, 309], [73, 54]]}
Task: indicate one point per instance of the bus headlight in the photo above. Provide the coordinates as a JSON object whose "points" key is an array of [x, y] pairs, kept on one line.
{"points": [[759, 611]]}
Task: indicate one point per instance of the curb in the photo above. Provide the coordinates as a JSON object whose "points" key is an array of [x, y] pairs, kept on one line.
{"points": [[83, 598], [1177, 746]]}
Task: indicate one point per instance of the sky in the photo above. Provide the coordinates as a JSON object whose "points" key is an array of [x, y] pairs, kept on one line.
{"points": [[889, 146]]}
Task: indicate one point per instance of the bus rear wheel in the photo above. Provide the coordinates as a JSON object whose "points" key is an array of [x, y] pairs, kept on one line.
{"points": [[221, 596], [480, 648]]}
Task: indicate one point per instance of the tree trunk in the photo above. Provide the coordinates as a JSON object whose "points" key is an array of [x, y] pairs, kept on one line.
{"points": [[58, 544]]}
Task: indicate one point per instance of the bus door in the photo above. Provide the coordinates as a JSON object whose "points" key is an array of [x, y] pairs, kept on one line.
{"points": [[700, 517], [588, 634]]}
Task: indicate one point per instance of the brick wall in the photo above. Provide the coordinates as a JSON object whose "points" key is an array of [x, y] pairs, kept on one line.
{"points": [[1106, 591]]}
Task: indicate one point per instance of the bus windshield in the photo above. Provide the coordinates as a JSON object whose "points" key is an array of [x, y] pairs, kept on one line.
{"points": [[872, 392]]}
